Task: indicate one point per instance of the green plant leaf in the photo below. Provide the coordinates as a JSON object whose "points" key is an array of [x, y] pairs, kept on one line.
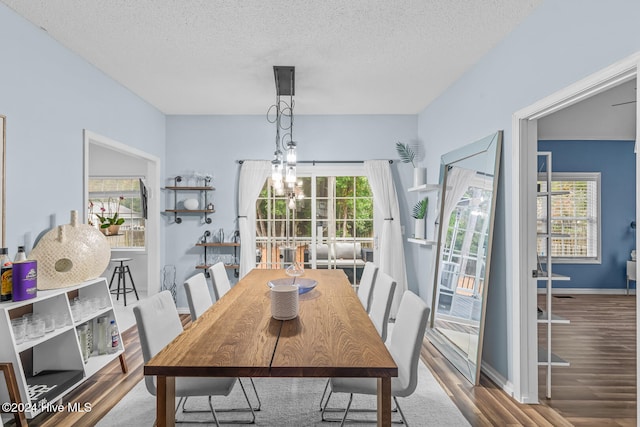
{"points": [[406, 153], [420, 209]]}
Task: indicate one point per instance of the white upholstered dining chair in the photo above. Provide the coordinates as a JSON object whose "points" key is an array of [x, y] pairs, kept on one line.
{"points": [[198, 296], [381, 302], [158, 324], [404, 345], [220, 280], [367, 283], [199, 300]]}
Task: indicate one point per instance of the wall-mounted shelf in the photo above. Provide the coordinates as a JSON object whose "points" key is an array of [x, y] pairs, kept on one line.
{"points": [[542, 276], [423, 242], [553, 193], [546, 317], [543, 317], [553, 235], [543, 359], [202, 196], [227, 266], [204, 244], [424, 188]]}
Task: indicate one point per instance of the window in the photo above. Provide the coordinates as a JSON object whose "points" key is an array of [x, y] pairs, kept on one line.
{"points": [[326, 222], [575, 217], [108, 195]]}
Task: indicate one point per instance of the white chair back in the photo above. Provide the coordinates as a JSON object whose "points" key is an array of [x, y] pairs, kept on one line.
{"points": [[367, 282], [221, 284], [406, 340], [198, 295], [158, 324], [381, 301]]}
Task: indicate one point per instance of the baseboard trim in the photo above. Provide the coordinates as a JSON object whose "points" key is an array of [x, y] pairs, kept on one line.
{"points": [[587, 291], [183, 310], [496, 377]]}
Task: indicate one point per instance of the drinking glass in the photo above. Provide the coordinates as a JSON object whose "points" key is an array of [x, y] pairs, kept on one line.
{"points": [[19, 329], [49, 322], [35, 328]]}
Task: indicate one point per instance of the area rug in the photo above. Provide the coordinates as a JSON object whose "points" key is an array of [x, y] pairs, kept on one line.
{"points": [[292, 402]]}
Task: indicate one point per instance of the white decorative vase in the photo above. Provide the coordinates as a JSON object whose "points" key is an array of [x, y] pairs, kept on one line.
{"points": [[419, 176], [70, 254], [419, 231], [191, 204]]}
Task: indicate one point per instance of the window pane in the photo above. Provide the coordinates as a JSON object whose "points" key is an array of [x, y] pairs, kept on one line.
{"points": [[322, 211], [345, 186], [322, 186], [303, 209], [362, 187], [573, 216]]}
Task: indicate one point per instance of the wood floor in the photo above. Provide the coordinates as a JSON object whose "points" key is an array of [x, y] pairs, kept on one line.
{"points": [[599, 389]]}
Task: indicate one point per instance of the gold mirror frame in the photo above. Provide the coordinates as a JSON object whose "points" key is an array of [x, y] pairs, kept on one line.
{"points": [[469, 182]]}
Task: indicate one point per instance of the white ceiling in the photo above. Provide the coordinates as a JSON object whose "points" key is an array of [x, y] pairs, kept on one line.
{"points": [[595, 118], [216, 56]]}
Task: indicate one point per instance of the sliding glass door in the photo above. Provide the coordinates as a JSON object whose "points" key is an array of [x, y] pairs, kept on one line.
{"points": [[325, 221]]}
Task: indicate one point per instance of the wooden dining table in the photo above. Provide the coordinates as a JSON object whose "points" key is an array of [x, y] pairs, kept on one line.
{"points": [[237, 337]]}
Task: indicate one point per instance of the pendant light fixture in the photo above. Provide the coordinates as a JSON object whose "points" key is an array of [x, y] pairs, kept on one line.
{"points": [[283, 165]]}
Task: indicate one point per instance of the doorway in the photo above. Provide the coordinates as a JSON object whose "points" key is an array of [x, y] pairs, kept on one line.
{"points": [[106, 157], [523, 226]]}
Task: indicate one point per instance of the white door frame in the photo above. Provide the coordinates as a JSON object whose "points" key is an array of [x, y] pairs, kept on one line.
{"points": [[521, 197], [153, 202]]}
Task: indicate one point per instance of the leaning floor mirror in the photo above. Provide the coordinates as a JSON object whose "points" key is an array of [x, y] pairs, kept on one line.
{"points": [[469, 180]]}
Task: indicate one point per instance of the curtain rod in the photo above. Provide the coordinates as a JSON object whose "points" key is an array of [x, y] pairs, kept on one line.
{"points": [[326, 161]]}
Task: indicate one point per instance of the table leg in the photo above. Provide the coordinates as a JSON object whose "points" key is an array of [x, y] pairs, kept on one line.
{"points": [[166, 401], [123, 364], [384, 402]]}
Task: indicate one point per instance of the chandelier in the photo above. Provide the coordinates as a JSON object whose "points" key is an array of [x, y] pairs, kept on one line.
{"points": [[283, 165]]}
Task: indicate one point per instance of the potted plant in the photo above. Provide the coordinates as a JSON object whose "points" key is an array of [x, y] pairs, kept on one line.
{"points": [[419, 213], [110, 224], [407, 155]]}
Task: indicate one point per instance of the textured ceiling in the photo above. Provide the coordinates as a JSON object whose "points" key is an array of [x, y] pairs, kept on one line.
{"points": [[216, 56]]}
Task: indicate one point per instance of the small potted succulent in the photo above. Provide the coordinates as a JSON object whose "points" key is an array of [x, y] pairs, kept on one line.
{"points": [[407, 155], [419, 213]]}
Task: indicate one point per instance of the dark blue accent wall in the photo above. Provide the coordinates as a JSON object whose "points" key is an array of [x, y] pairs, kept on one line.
{"points": [[615, 160]]}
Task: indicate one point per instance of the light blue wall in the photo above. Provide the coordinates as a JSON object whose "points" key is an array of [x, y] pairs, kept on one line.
{"points": [[561, 42], [615, 161], [213, 144], [49, 95]]}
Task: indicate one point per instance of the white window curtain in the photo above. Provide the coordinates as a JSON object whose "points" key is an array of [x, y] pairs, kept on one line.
{"points": [[458, 180], [391, 249], [331, 226], [253, 174]]}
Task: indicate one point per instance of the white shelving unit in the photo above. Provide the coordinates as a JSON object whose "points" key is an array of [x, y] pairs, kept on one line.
{"points": [[47, 368], [422, 242], [424, 188], [546, 358]]}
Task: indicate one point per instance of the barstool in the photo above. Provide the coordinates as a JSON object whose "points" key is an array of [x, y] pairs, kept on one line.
{"points": [[120, 270]]}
